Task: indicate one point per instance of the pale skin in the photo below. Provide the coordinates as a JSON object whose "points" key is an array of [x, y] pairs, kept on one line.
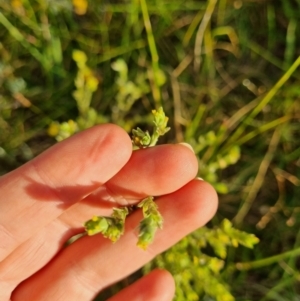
{"points": [[46, 201]]}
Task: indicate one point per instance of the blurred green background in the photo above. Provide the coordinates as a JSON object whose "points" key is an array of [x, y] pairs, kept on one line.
{"points": [[226, 73]]}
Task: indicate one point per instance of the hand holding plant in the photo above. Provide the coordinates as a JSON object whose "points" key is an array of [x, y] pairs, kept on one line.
{"points": [[51, 195], [113, 227]]}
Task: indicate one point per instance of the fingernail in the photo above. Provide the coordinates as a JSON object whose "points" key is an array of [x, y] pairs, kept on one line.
{"points": [[188, 146], [200, 179]]}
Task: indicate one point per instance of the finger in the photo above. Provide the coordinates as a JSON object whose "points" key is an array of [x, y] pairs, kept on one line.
{"points": [[153, 171], [93, 263], [176, 165], [157, 286], [39, 191]]}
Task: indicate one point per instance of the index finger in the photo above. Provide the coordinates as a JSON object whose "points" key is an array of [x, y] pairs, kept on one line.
{"points": [[35, 194]]}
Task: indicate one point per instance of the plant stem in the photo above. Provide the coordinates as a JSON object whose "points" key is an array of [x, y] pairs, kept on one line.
{"points": [[154, 54], [244, 266], [154, 139], [265, 100], [259, 179], [200, 33]]}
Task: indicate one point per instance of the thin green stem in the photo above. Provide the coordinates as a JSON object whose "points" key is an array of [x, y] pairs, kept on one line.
{"points": [[290, 42], [154, 139], [275, 89], [259, 179], [264, 101], [268, 56], [153, 52], [244, 266], [270, 125], [201, 31]]}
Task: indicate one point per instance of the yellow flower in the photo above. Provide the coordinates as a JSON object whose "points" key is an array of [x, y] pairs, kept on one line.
{"points": [[16, 4], [79, 57], [80, 6], [53, 129]]}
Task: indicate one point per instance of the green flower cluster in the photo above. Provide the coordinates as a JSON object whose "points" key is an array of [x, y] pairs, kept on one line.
{"points": [[111, 227], [151, 222], [199, 276], [141, 139]]}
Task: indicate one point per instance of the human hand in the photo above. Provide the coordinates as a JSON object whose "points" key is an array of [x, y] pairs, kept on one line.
{"points": [[45, 202]]}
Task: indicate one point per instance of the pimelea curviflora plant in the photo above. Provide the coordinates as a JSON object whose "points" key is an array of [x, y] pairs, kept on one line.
{"points": [[113, 227]]}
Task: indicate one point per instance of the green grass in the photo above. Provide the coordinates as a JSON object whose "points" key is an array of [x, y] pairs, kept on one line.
{"points": [[226, 72]]}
